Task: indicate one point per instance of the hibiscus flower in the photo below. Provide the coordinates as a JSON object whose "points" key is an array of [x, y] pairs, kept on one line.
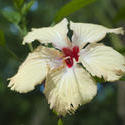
{"points": [[68, 84]]}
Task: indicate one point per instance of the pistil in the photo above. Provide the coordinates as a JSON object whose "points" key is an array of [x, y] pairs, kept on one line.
{"points": [[71, 53]]}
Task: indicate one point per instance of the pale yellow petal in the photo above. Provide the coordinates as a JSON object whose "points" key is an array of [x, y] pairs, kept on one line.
{"points": [[88, 33], [68, 88], [103, 61], [34, 69], [57, 35]]}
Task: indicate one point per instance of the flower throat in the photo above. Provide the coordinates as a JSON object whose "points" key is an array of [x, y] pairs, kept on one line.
{"points": [[70, 54]]}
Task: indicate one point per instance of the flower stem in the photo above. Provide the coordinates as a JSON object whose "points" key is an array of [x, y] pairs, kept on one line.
{"points": [[60, 122], [23, 32]]}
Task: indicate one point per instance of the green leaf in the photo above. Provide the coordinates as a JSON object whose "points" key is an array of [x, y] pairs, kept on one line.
{"points": [[60, 121], [122, 50], [116, 41], [12, 16], [120, 15], [26, 7], [11, 53], [122, 78], [18, 3], [2, 86], [2, 38], [70, 8]]}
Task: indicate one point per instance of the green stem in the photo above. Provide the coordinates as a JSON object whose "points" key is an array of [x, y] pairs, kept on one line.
{"points": [[24, 29], [60, 122], [23, 32]]}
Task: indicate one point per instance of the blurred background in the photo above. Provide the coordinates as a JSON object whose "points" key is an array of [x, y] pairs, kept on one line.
{"points": [[17, 17]]}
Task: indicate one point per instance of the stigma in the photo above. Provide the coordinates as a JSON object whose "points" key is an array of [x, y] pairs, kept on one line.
{"points": [[70, 54]]}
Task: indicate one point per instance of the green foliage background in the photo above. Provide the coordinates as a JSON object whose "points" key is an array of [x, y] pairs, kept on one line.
{"points": [[17, 17]]}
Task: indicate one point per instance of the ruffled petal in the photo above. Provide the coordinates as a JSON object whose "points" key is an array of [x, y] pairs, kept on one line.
{"points": [[103, 61], [68, 88], [57, 35], [34, 69], [84, 33]]}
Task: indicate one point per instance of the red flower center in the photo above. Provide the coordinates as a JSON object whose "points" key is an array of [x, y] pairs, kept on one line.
{"points": [[70, 54]]}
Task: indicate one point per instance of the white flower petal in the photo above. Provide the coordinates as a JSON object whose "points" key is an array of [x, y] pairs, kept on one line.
{"points": [[103, 61], [88, 33], [57, 35], [33, 70], [68, 88]]}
